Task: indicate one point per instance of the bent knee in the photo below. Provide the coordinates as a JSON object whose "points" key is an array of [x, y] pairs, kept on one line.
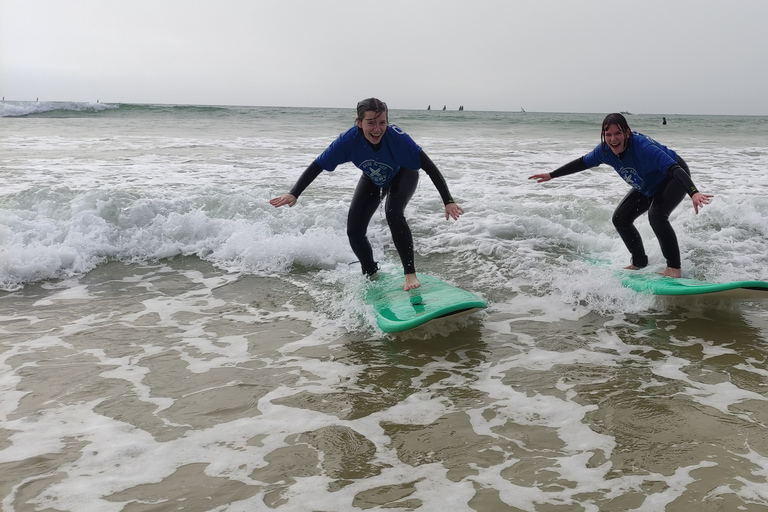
{"points": [[620, 222], [394, 217], [354, 232], [658, 219]]}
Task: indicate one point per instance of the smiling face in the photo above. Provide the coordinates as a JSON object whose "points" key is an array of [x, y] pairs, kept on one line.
{"points": [[373, 124], [616, 138]]}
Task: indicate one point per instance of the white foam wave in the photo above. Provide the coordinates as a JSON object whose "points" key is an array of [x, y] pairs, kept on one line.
{"points": [[25, 108], [158, 187], [50, 244]]}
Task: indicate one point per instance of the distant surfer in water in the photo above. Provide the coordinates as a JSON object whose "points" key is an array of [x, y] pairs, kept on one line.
{"points": [[660, 180], [390, 160]]}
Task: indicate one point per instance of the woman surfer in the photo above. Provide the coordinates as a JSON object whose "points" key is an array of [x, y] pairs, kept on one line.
{"points": [[659, 179], [390, 160]]}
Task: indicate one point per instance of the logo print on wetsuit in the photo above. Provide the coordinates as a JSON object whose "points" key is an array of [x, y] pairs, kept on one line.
{"points": [[378, 172], [631, 176]]}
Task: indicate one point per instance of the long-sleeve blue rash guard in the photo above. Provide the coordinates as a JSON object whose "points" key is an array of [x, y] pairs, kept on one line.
{"points": [[644, 164], [380, 163]]}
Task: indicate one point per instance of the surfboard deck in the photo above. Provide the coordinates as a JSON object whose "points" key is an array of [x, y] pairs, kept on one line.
{"points": [[398, 310], [663, 285]]}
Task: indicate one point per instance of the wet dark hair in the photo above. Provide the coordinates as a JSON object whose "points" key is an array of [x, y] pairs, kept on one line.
{"points": [[617, 119], [370, 105]]}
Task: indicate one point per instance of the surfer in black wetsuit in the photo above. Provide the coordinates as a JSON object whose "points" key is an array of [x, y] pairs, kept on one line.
{"points": [[390, 160], [660, 180]]}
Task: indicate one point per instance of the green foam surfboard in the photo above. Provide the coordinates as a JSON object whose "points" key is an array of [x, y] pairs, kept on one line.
{"points": [[663, 285], [398, 310]]}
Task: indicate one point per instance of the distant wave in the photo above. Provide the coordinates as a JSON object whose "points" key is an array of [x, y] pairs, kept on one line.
{"points": [[26, 108], [73, 108]]}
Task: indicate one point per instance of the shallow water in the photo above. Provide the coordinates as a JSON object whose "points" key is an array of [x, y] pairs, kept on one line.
{"points": [[170, 342]]}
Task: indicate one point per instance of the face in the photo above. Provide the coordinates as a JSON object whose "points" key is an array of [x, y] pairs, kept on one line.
{"points": [[616, 139], [373, 125]]}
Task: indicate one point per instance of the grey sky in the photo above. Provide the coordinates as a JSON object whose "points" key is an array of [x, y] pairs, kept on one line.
{"points": [[649, 56]]}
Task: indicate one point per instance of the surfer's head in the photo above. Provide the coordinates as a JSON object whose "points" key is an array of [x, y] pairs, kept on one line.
{"points": [[372, 119], [615, 133]]}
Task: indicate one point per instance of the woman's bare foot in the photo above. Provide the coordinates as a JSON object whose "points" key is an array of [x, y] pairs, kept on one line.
{"points": [[672, 272], [411, 282], [632, 267]]}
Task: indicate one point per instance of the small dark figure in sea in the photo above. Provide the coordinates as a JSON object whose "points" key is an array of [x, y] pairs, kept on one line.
{"points": [[660, 179], [663, 120]]}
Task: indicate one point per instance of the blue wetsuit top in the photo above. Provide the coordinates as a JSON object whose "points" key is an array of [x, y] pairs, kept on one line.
{"points": [[644, 164], [397, 150], [380, 163]]}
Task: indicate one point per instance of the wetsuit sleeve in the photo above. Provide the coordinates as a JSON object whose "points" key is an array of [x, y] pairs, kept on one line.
{"points": [[577, 165], [682, 177], [307, 177], [436, 176]]}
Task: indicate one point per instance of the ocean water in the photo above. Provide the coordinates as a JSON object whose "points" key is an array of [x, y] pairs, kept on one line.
{"points": [[170, 341]]}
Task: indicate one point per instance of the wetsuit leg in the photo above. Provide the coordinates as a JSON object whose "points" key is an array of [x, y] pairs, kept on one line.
{"points": [[630, 208], [366, 199], [400, 192], [663, 202]]}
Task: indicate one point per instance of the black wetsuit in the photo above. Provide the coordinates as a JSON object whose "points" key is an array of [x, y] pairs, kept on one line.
{"points": [[366, 200]]}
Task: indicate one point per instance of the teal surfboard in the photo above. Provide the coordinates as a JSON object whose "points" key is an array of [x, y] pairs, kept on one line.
{"points": [[663, 285], [397, 310]]}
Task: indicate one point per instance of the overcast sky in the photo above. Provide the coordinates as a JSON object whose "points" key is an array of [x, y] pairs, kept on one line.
{"points": [[644, 56]]}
